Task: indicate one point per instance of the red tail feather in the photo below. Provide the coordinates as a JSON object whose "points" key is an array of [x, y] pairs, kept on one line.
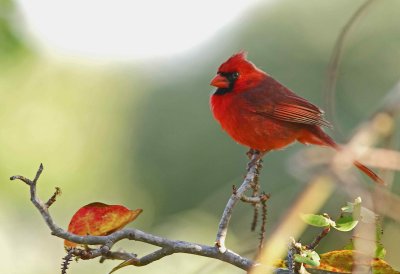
{"points": [[369, 173], [324, 139]]}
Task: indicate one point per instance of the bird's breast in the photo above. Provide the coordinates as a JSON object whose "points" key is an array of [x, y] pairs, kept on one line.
{"points": [[249, 128]]}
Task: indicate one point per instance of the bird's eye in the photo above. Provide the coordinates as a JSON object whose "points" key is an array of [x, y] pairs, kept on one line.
{"points": [[230, 76]]}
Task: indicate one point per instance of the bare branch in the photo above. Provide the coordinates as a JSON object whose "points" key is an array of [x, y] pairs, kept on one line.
{"points": [[254, 168], [256, 205], [53, 198], [22, 178], [66, 261], [318, 239], [104, 252], [251, 200], [255, 216], [334, 62], [264, 198], [293, 249], [117, 255], [168, 246], [38, 173]]}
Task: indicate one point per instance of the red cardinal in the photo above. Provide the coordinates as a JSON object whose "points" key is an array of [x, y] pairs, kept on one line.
{"points": [[259, 112]]}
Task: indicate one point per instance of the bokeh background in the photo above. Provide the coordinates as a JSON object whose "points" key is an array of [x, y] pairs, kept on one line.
{"points": [[134, 127]]}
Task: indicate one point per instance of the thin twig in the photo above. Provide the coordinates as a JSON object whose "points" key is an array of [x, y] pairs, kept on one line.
{"points": [[104, 252], [264, 197], [66, 261], [318, 239], [333, 68], [256, 207], [38, 173], [255, 185], [293, 249], [253, 169], [117, 255], [168, 246], [53, 197], [250, 200], [22, 178]]}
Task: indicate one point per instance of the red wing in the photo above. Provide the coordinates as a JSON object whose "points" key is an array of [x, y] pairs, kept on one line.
{"points": [[274, 100], [298, 110]]}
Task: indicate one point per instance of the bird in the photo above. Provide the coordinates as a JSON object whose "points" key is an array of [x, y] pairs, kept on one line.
{"points": [[262, 114]]}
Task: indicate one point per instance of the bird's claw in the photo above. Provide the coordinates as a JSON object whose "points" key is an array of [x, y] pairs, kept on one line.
{"points": [[250, 153], [253, 160]]}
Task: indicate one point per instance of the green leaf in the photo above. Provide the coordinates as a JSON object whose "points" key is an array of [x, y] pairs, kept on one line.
{"points": [[349, 245], [317, 220], [348, 208], [309, 257], [345, 223], [380, 251], [379, 229], [354, 208]]}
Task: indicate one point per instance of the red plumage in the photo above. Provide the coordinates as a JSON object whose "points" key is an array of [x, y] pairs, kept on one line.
{"points": [[259, 112]]}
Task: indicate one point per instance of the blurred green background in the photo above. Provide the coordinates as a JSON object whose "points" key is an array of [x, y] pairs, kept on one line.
{"points": [[141, 133]]}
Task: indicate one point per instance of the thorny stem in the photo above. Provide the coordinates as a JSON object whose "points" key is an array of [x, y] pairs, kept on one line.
{"points": [[66, 261], [256, 192], [264, 197], [256, 207]]}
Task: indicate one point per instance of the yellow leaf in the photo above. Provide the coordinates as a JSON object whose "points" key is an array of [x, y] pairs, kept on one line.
{"points": [[342, 261]]}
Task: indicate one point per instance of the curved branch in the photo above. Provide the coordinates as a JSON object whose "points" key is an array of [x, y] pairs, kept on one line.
{"points": [[333, 67], [253, 171], [168, 246]]}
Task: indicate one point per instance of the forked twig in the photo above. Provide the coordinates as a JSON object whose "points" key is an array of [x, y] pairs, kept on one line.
{"points": [[238, 194], [167, 246]]}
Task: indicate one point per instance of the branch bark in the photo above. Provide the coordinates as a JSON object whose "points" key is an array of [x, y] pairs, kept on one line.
{"points": [[168, 247], [253, 171]]}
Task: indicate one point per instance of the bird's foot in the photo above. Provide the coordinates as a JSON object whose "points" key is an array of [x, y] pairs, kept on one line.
{"points": [[255, 157], [250, 153]]}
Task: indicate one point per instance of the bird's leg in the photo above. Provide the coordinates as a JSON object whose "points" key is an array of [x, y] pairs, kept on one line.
{"points": [[250, 153], [254, 160]]}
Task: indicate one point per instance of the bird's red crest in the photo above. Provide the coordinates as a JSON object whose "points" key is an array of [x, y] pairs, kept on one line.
{"points": [[235, 61], [238, 57], [247, 74]]}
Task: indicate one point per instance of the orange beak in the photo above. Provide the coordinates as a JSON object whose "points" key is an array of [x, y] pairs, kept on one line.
{"points": [[220, 82]]}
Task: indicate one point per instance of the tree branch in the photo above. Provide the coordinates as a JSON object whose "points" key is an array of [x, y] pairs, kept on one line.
{"points": [[237, 195], [333, 67], [168, 247]]}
